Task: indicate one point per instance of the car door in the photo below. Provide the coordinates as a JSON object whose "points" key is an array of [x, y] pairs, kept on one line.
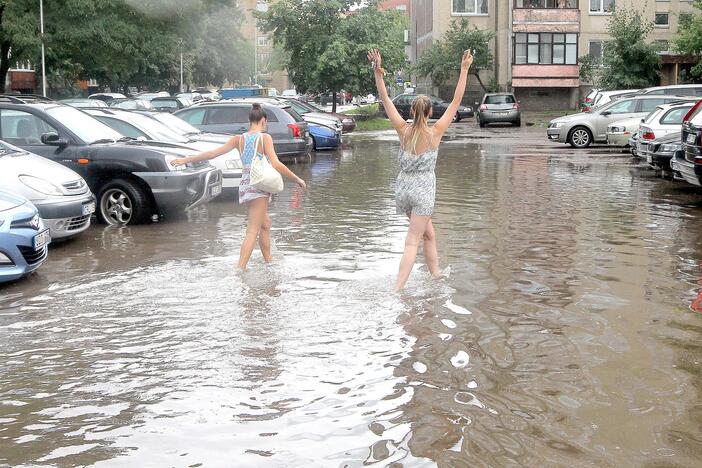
{"points": [[233, 120], [620, 110], [195, 117], [25, 129]]}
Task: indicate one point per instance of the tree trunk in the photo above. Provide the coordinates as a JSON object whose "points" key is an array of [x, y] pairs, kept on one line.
{"points": [[480, 82], [4, 64], [334, 102]]}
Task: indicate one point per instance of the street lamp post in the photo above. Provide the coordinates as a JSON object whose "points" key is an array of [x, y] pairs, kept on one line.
{"points": [[181, 73], [43, 61]]}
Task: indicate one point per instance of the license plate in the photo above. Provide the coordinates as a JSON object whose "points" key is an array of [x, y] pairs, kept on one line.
{"points": [[216, 190], [88, 208], [41, 239], [691, 138], [649, 158]]}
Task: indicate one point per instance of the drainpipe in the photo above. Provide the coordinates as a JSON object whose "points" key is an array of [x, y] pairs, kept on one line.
{"points": [[497, 40]]}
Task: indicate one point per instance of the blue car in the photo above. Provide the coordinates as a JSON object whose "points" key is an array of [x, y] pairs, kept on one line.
{"points": [[324, 137], [23, 237]]}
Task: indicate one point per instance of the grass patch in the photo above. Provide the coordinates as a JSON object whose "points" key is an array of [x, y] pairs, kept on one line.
{"points": [[370, 109], [373, 124], [541, 119]]}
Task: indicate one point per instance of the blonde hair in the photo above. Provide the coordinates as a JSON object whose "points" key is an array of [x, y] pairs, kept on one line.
{"points": [[421, 106]]}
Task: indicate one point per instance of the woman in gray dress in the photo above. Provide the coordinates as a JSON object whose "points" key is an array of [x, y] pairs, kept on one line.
{"points": [[416, 183]]}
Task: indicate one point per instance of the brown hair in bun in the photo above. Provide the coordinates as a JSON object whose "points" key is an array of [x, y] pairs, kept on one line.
{"points": [[257, 113]]}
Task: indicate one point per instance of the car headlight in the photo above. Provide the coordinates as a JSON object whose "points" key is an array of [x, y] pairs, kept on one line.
{"points": [[556, 124], [169, 159], [617, 129], [40, 185], [348, 121], [668, 148], [233, 163]]}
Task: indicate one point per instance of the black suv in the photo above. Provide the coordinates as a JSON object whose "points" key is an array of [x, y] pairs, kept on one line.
{"points": [[689, 160], [403, 104], [133, 180]]}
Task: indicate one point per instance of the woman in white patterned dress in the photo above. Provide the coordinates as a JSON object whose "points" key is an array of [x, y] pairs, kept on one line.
{"points": [[254, 143], [416, 183]]}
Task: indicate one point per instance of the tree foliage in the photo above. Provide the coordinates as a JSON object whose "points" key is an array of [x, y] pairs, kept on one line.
{"points": [[326, 43], [689, 38], [628, 60], [442, 60], [126, 42]]}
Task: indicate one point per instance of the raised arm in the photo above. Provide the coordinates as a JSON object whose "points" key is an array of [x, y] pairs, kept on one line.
{"points": [[232, 143], [269, 150], [443, 123], [395, 118]]}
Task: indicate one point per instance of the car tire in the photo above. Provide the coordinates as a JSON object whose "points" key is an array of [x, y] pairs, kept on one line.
{"points": [[580, 137], [314, 144], [481, 123], [518, 123], [123, 202], [456, 118]]}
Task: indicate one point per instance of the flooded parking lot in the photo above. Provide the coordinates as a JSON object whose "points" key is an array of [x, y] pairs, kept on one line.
{"points": [[566, 333]]}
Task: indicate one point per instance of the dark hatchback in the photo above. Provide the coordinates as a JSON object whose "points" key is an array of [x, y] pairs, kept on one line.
{"points": [[403, 104], [662, 150], [689, 160]]}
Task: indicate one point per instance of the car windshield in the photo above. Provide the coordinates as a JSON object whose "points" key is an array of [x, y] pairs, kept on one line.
{"points": [[155, 129], [176, 124], [299, 108], [84, 126], [7, 149], [500, 99]]}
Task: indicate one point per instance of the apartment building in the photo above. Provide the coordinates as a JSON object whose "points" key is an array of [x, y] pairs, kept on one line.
{"points": [[264, 73], [538, 42]]}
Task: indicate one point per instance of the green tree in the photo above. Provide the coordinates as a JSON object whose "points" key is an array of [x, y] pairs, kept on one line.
{"points": [[629, 61], [326, 43], [442, 60], [689, 38]]}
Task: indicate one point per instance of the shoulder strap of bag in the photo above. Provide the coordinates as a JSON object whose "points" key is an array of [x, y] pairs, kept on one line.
{"points": [[258, 140]]}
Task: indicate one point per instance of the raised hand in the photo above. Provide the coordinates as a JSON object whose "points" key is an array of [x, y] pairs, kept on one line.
{"points": [[375, 59], [467, 59]]}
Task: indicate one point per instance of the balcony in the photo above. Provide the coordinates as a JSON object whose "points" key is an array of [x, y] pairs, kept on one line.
{"points": [[546, 20], [545, 76]]}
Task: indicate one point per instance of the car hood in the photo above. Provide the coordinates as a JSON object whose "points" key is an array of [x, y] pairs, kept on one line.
{"points": [[172, 149], [9, 201], [17, 164], [203, 145], [220, 138], [320, 116], [572, 118]]}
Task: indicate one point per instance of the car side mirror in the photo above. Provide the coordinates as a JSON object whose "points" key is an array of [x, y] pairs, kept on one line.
{"points": [[53, 139], [605, 113]]}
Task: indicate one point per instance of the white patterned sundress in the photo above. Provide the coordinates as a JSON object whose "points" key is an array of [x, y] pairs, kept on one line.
{"points": [[248, 192]]}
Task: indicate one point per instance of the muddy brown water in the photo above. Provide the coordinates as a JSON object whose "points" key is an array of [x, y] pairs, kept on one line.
{"points": [[566, 334]]}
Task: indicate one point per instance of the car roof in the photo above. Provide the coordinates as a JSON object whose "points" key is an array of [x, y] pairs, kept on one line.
{"points": [[241, 102], [673, 86], [499, 94], [671, 105]]}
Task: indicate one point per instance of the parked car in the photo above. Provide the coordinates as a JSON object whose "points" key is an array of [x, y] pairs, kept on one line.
{"points": [[689, 160], [149, 96], [62, 196], [23, 237], [662, 121], [133, 180], [139, 125], [107, 97], [583, 129], [632, 144], [674, 90], [209, 95], [498, 107], [660, 151], [403, 104], [289, 93], [605, 97], [131, 104], [308, 110], [324, 137], [290, 133], [588, 99], [170, 104], [191, 97], [319, 118], [81, 103], [619, 133]]}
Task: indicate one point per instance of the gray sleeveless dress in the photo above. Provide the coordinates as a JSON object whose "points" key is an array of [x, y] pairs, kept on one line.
{"points": [[415, 187]]}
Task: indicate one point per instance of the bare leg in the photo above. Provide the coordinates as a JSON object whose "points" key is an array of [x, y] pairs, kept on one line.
{"points": [[264, 239], [417, 227], [257, 213], [431, 256]]}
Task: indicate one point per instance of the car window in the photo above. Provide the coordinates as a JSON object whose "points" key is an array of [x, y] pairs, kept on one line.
{"points": [[680, 91], [193, 117], [228, 115], [651, 116], [675, 116], [647, 105], [300, 109], [22, 128], [84, 126], [175, 123], [500, 99], [625, 106], [122, 127], [656, 92]]}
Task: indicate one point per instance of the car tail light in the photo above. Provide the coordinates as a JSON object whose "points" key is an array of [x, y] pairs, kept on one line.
{"points": [[515, 106], [647, 134], [692, 111], [483, 107], [295, 130], [587, 99], [586, 109]]}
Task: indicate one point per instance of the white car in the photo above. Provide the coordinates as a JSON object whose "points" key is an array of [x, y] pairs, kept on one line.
{"points": [[139, 126], [605, 97], [61, 195], [662, 121], [619, 133], [290, 93]]}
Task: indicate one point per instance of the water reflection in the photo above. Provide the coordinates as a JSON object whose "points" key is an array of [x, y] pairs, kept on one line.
{"points": [[563, 334]]}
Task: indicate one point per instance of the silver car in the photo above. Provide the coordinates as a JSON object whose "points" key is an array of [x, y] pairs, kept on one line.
{"points": [[498, 107], [61, 195], [583, 129]]}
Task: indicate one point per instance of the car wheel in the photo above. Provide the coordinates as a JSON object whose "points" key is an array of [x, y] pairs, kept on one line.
{"points": [[122, 202], [481, 123], [314, 144], [518, 123], [580, 137], [456, 118]]}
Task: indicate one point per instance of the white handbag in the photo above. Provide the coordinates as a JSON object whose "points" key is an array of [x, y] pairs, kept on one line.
{"points": [[263, 175]]}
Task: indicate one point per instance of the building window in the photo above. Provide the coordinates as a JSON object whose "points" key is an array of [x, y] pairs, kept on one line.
{"points": [[262, 5], [596, 51], [262, 41], [546, 48], [662, 20], [469, 7], [546, 4], [661, 45], [601, 6]]}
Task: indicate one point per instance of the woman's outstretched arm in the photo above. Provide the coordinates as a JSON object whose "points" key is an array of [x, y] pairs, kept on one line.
{"points": [[443, 123], [232, 143], [395, 118]]}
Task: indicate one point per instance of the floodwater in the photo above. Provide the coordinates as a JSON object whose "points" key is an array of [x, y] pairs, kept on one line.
{"points": [[567, 331]]}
